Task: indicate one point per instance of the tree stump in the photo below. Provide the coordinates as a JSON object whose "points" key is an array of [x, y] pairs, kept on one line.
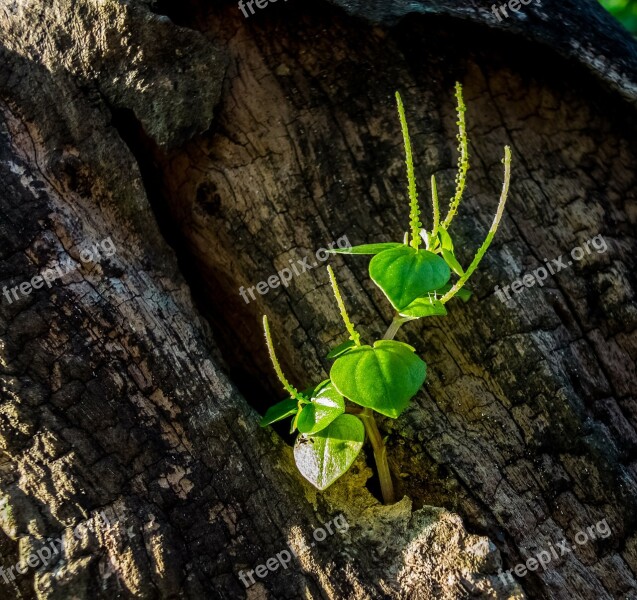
{"points": [[194, 152]]}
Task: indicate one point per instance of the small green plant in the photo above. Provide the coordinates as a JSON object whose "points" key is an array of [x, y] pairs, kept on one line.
{"points": [[385, 376]]}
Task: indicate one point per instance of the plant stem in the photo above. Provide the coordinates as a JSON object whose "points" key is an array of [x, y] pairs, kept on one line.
{"points": [[380, 455], [393, 328], [375, 438]]}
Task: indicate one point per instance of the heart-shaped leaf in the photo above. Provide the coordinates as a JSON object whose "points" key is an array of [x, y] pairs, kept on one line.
{"points": [[405, 274], [325, 405], [424, 307], [323, 457], [341, 349], [367, 248], [384, 377], [281, 410]]}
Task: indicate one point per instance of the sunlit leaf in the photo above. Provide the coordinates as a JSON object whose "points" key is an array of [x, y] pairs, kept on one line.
{"points": [[405, 274], [323, 457], [424, 307], [453, 263], [325, 405], [445, 240], [384, 377]]}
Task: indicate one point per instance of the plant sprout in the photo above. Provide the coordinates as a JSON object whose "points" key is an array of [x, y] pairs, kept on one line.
{"points": [[334, 417]]}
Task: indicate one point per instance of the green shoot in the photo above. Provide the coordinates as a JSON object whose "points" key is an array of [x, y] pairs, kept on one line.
{"points": [[414, 210], [290, 389], [494, 227], [463, 158], [383, 377], [353, 334]]}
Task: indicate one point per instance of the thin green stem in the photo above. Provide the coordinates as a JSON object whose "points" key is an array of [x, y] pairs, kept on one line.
{"points": [[414, 210], [463, 158], [353, 334], [436, 208], [290, 389], [380, 455], [494, 226]]}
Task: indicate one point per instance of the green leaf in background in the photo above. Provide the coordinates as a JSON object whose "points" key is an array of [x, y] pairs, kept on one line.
{"points": [[405, 274], [325, 405], [384, 377], [323, 457], [281, 410], [367, 248], [424, 307], [623, 10], [341, 349]]}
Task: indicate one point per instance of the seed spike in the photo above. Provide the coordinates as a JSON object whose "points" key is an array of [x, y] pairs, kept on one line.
{"points": [[414, 210], [353, 334], [436, 207], [463, 158], [494, 226], [290, 389]]}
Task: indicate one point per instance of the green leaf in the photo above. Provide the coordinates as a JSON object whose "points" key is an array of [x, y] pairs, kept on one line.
{"points": [[405, 274], [464, 294], [325, 405], [424, 307], [323, 457], [367, 248], [384, 377], [281, 410], [448, 254], [451, 260], [445, 240], [341, 349]]}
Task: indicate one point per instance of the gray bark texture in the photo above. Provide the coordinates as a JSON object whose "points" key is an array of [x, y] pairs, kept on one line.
{"points": [[213, 149]]}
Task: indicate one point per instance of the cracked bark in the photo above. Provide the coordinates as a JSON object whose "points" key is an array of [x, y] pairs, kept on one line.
{"points": [[249, 143]]}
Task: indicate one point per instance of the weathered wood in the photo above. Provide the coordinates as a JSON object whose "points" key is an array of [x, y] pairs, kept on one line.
{"points": [[118, 395]]}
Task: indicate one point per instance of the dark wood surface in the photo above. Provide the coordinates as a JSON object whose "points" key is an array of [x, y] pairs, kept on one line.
{"points": [[212, 150]]}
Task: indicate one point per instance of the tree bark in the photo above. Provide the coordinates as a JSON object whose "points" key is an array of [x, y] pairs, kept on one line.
{"points": [[213, 150]]}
